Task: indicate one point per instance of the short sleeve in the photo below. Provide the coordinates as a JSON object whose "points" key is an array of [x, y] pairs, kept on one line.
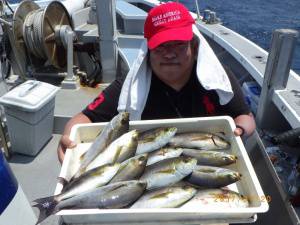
{"points": [[104, 107]]}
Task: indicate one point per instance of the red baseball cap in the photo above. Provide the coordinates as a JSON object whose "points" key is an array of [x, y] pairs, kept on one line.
{"points": [[168, 22]]}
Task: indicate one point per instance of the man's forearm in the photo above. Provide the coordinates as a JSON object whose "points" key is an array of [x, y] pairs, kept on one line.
{"points": [[77, 119]]}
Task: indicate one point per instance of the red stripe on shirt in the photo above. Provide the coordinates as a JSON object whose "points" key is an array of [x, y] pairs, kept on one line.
{"points": [[209, 106], [96, 102]]}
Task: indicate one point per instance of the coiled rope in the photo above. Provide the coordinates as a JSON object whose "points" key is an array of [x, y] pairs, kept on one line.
{"points": [[33, 33]]}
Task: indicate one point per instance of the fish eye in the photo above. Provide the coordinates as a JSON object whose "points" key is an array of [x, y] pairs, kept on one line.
{"points": [[224, 158]]}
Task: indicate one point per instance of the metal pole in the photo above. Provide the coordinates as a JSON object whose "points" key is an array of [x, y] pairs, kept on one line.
{"points": [[67, 35], [106, 17], [5, 22], [198, 10], [70, 35], [276, 74]]}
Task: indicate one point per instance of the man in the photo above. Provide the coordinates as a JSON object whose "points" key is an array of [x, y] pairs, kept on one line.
{"points": [[179, 77]]}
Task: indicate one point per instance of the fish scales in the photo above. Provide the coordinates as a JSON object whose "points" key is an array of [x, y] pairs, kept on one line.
{"points": [[199, 140], [131, 169], [168, 171], [114, 129], [119, 150], [153, 139], [212, 177], [210, 158], [168, 197]]}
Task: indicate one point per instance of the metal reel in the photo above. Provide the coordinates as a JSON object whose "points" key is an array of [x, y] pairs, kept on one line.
{"points": [[37, 31], [55, 16], [23, 9]]}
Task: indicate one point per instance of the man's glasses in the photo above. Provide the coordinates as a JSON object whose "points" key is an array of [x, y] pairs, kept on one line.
{"points": [[174, 46]]}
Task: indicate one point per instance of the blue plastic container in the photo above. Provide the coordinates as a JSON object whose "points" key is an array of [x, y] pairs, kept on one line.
{"points": [[8, 184]]}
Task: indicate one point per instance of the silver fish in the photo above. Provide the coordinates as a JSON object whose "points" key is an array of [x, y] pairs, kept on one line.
{"points": [[212, 177], [91, 179], [216, 199], [86, 182], [163, 153], [168, 197], [116, 195], [153, 139], [204, 141], [210, 158], [131, 169], [119, 150], [168, 171], [114, 129]]}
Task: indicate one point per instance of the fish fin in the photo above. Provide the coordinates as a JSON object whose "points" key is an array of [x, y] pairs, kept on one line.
{"points": [[63, 181], [46, 207], [72, 178], [77, 174], [82, 156]]}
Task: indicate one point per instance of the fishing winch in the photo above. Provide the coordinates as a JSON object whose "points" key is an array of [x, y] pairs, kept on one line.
{"points": [[43, 33]]}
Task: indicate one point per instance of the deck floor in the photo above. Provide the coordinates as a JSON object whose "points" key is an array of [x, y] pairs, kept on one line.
{"points": [[37, 175]]}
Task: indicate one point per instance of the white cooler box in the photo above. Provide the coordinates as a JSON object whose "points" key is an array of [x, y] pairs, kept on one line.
{"points": [[84, 134], [29, 109]]}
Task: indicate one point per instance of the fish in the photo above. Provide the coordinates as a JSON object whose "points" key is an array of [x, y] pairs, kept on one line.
{"points": [[199, 140], [212, 177], [168, 171], [163, 153], [96, 177], [216, 199], [116, 195], [210, 158], [119, 150], [153, 139], [168, 197], [113, 129], [131, 169], [86, 182]]}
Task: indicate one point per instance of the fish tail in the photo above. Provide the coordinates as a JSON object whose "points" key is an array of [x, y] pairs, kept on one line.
{"points": [[63, 181], [46, 207]]}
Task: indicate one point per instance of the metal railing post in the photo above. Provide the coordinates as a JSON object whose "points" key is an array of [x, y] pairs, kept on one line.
{"points": [[276, 74]]}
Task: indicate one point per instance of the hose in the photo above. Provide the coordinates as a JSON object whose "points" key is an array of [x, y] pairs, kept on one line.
{"points": [[290, 137]]}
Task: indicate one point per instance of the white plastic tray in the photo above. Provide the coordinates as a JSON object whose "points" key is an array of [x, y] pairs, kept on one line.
{"points": [[249, 185]]}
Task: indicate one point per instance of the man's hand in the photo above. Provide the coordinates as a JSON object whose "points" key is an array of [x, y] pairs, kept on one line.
{"points": [[239, 131], [64, 143], [245, 125]]}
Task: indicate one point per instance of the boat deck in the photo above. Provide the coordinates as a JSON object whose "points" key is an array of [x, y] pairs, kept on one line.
{"points": [[37, 175], [70, 102]]}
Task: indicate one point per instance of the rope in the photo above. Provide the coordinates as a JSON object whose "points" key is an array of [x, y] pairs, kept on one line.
{"points": [[33, 33]]}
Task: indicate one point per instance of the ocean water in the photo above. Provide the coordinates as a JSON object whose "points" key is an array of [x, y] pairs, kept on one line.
{"points": [[256, 19]]}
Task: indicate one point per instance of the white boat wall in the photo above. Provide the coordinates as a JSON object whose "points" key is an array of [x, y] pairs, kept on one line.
{"points": [[81, 46]]}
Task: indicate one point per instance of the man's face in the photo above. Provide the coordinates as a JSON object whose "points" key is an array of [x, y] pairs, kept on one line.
{"points": [[173, 62]]}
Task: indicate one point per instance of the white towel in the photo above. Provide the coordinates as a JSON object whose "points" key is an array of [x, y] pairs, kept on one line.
{"points": [[210, 73]]}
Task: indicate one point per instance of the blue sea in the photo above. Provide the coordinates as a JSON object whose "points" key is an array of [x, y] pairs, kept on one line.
{"points": [[255, 19]]}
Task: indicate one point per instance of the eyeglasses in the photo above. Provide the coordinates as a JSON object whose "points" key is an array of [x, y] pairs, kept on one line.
{"points": [[174, 46]]}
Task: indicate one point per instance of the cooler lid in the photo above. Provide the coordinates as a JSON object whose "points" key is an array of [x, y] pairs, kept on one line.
{"points": [[29, 96]]}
